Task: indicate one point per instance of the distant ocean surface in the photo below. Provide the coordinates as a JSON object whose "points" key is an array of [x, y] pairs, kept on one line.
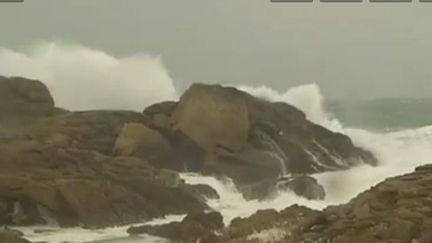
{"points": [[381, 114]]}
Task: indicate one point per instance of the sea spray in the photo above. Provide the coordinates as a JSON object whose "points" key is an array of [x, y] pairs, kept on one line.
{"points": [[82, 78], [307, 98]]}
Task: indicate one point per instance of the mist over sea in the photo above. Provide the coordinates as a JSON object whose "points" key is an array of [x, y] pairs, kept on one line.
{"points": [[397, 131]]}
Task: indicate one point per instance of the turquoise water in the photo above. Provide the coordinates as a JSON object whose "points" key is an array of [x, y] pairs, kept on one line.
{"points": [[382, 114]]}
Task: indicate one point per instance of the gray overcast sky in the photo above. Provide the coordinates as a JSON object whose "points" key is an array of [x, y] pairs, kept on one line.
{"points": [[351, 50]]}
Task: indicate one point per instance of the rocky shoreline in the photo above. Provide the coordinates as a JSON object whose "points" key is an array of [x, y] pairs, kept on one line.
{"points": [[98, 169], [396, 210]]}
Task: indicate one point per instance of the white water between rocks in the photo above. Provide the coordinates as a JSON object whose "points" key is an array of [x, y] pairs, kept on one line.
{"points": [[398, 152]]}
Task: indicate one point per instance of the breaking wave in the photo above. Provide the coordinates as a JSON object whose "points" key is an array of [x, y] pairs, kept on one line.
{"points": [[81, 78], [398, 152]]}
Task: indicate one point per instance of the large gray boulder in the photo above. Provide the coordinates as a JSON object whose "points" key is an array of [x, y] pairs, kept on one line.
{"points": [[24, 97], [250, 139]]}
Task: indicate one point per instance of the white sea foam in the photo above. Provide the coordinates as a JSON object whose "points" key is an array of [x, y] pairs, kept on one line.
{"points": [[79, 235]]}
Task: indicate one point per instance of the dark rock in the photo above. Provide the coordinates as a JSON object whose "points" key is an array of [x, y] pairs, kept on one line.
{"points": [[26, 213], [164, 108], [68, 165], [24, 97], [5, 210], [188, 156], [302, 185], [11, 236], [249, 139], [200, 191], [140, 141], [424, 168], [22, 103], [89, 130], [86, 187], [193, 228], [204, 112], [270, 226], [261, 190], [159, 116]]}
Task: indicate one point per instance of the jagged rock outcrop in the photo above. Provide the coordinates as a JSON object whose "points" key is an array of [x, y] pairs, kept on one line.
{"points": [[22, 102], [198, 227], [89, 130], [231, 133], [85, 187], [105, 168], [243, 134], [396, 210], [62, 165], [271, 226]]}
